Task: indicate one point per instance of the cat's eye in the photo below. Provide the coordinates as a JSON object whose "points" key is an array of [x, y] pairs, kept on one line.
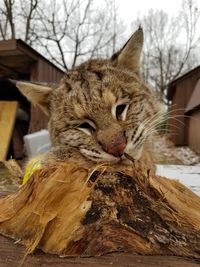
{"points": [[119, 110], [86, 126]]}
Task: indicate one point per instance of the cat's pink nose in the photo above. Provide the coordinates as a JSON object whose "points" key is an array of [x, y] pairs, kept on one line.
{"points": [[116, 147], [117, 150]]}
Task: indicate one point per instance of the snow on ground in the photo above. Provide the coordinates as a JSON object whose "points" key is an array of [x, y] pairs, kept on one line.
{"points": [[188, 175], [180, 163], [169, 154]]}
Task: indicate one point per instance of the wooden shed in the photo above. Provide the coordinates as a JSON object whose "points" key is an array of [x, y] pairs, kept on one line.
{"points": [[21, 62], [184, 105]]}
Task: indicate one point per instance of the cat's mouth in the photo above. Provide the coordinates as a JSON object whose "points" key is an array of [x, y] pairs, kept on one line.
{"points": [[106, 157], [129, 157], [126, 157]]}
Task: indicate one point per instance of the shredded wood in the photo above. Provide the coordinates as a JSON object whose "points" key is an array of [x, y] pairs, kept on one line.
{"points": [[74, 209]]}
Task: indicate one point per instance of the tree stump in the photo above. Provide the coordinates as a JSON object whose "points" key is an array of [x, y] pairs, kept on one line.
{"points": [[73, 209]]}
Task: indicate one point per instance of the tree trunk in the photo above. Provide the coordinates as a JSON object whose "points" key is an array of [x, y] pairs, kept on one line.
{"points": [[74, 209]]}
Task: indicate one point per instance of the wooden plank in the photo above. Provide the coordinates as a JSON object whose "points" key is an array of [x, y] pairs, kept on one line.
{"points": [[8, 110], [11, 255], [194, 130], [7, 45], [38, 120]]}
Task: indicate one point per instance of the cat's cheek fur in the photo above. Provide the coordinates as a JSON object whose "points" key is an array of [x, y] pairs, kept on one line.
{"points": [[134, 152]]}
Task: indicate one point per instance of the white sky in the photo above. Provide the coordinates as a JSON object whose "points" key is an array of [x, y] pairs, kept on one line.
{"points": [[129, 10]]}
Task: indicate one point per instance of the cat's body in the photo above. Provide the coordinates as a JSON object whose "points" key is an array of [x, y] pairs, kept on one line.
{"points": [[101, 110]]}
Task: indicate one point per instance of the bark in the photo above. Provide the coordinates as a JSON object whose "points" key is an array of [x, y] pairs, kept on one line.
{"points": [[74, 209]]}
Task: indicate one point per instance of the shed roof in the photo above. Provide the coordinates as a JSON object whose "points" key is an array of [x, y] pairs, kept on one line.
{"points": [[16, 57], [172, 86], [194, 101]]}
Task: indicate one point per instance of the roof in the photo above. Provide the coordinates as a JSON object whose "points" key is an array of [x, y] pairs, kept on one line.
{"points": [[172, 86], [194, 101], [16, 57]]}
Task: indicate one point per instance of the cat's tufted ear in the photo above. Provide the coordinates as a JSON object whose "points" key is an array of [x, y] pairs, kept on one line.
{"points": [[129, 56], [36, 93]]}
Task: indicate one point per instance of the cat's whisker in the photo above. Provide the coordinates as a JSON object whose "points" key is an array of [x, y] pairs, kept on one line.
{"points": [[146, 121], [174, 126], [155, 121], [153, 124], [177, 120]]}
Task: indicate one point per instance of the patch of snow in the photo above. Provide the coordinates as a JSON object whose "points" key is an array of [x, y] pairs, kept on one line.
{"points": [[168, 152], [188, 175]]}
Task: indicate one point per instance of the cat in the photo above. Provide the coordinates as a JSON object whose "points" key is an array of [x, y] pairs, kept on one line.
{"points": [[101, 109]]}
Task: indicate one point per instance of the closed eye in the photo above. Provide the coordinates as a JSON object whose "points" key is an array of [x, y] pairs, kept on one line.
{"points": [[87, 127]]}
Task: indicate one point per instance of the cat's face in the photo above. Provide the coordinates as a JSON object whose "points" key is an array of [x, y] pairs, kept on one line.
{"points": [[101, 109]]}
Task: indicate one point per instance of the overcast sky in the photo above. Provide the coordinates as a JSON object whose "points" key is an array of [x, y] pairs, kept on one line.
{"points": [[129, 10]]}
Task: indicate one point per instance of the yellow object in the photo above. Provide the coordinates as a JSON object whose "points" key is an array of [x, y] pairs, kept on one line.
{"points": [[33, 165]]}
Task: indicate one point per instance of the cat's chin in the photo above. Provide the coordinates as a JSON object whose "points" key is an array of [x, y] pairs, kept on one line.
{"points": [[125, 161], [118, 161]]}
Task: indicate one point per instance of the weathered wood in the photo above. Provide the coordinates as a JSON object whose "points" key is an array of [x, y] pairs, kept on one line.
{"points": [[179, 93], [11, 255], [8, 110], [72, 209], [21, 61], [38, 120]]}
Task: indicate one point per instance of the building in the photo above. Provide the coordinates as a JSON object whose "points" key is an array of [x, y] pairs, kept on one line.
{"points": [[21, 62], [184, 106]]}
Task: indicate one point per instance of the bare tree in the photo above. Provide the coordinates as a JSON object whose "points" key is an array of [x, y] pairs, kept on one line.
{"points": [[65, 31], [17, 19], [7, 25], [170, 43], [28, 14], [74, 30]]}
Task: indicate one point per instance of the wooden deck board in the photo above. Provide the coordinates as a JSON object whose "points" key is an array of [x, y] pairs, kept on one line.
{"points": [[8, 110], [11, 256]]}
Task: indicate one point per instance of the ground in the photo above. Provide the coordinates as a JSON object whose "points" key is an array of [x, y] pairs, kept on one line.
{"points": [[168, 153], [6, 181]]}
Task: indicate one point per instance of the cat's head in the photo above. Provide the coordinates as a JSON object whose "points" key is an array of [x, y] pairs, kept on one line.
{"points": [[101, 109]]}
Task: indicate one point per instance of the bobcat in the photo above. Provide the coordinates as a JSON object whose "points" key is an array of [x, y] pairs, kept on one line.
{"points": [[101, 109]]}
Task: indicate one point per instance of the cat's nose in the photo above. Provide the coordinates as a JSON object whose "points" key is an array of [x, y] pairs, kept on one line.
{"points": [[117, 150], [116, 147]]}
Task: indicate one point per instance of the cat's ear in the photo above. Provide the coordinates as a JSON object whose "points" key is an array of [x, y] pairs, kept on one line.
{"points": [[35, 93], [129, 56]]}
